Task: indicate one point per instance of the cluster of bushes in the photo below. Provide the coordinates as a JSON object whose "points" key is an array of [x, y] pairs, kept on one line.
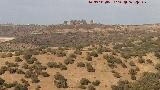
{"points": [[87, 84], [57, 65], [32, 75], [60, 81], [31, 60], [149, 81], [4, 55], [17, 86], [112, 61]]}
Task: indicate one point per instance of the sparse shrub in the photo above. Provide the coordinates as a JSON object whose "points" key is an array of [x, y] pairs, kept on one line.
{"points": [[34, 59], [12, 70], [38, 87], [80, 64], [157, 53], [133, 77], [82, 87], [28, 74], [94, 54], [114, 53], [53, 51], [35, 79], [149, 61], [116, 74], [122, 85], [8, 85], [11, 64], [84, 81], [18, 59], [3, 55], [141, 60], [157, 67], [89, 58], [125, 55], [9, 55], [112, 66], [91, 87], [69, 61], [20, 87], [62, 67], [123, 65], [52, 64], [132, 63], [78, 52], [18, 53], [96, 83], [45, 74], [25, 66], [60, 53], [72, 56], [27, 56], [2, 72], [4, 68], [19, 71], [48, 49], [90, 68], [43, 51], [60, 81], [132, 72], [26, 83], [1, 81], [30, 61]]}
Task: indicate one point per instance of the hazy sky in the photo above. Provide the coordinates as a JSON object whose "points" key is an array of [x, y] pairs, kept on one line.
{"points": [[56, 11]]}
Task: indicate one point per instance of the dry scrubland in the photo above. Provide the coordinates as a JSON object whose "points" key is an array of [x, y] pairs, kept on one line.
{"points": [[80, 57]]}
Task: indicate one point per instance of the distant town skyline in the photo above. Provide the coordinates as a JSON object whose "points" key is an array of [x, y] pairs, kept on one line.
{"points": [[57, 11]]}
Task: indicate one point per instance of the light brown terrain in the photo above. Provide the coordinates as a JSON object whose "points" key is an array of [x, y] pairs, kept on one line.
{"points": [[118, 57]]}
